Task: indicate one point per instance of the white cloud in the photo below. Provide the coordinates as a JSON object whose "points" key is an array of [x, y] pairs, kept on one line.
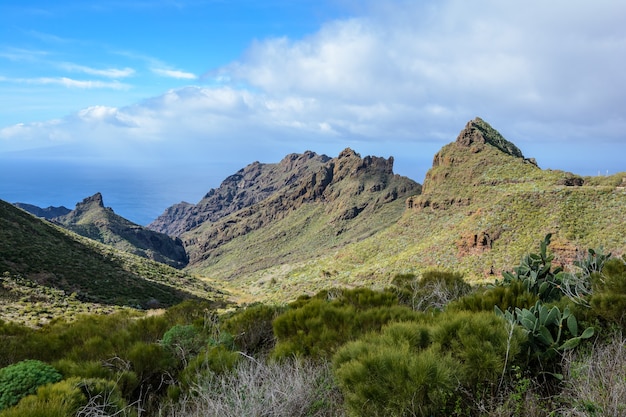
{"points": [[181, 75], [68, 82], [557, 61], [402, 75], [108, 73]]}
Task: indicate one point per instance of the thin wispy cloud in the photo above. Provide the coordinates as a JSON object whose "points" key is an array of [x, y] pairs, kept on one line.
{"points": [[181, 75], [108, 73], [68, 82], [22, 54]]}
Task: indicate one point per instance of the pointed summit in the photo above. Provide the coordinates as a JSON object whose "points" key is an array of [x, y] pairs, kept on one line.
{"points": [[478, 132], [94, 200]]}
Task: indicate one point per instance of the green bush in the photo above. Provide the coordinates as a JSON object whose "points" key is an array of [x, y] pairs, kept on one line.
{"points": [[212, 360], [85, 369], [22, 379], [150, 360], [425, 369], [183, 341], [252, 328], [70, 397], [391, 374], [482, 342], [514, 295], [609, 292], [317, 327], [54, 400]]}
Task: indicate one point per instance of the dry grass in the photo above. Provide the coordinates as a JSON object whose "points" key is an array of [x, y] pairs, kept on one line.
{"points": [[596, 380], [271, 389]]}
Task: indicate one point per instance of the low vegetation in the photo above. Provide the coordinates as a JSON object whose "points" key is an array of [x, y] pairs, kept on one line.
{"points": [[427, 345], [47, 272]]}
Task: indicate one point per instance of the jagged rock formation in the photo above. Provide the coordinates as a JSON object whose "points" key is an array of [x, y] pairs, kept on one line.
{"points": [[477, 133], [248, 186], [332, 201], [45, 213], [92, 219]]}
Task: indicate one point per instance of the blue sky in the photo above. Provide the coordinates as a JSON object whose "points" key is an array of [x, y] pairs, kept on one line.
{"points": [[154, 102]]}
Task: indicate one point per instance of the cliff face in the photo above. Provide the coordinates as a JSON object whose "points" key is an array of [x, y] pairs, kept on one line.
{"points": [[92, 219], [246, 187]]}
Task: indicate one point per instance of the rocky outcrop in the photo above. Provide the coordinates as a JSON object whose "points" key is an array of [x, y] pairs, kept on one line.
{"points": [[92, 219], [477, 133], [248, 186], [348, 188]]}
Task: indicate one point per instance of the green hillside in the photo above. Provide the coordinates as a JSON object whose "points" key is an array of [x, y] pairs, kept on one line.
{"points": [[346, 201], [44, 267], [482, 206]]}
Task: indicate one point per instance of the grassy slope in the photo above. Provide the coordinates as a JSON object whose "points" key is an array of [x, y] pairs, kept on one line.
{"points": [[501, 195], [54, 263], [313, 230]]}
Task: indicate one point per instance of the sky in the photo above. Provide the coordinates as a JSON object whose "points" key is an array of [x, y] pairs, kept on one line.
{"points": [[153, 102]]}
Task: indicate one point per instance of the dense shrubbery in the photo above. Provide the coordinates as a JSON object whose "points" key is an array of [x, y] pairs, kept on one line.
{"points": [[426, 346], [316, 327], [412, 369], [22, 379]]}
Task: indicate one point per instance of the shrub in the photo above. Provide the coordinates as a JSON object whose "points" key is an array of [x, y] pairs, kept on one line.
{"points": [[86, 369], [318, 326], [72, 397], [61, 399], [214, 360], [22, 379], [391, 374], [609, 292], [252, 328], [514, 295], [433, 291], [183, 341], [257, 388], [426, 368]]}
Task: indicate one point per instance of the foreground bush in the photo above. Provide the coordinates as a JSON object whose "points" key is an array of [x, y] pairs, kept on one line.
{"points": [[254, 388], [22, 379], [413, 369], [72, 397], [609, 293], [317, 327]]}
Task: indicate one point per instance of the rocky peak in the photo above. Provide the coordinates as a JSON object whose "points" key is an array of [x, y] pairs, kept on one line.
{"points": [[477, 133], [248, 186], [94, 200]]}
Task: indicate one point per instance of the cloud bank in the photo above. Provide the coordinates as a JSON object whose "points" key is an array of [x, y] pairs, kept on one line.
{"points": [[401, 78]]}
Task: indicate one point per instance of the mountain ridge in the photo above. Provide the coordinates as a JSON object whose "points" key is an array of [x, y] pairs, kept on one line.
{"points": [[90, 218], [43, 263], [308, 222]]}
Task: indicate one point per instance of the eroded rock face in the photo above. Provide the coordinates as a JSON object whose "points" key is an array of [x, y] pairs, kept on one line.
{"points": [[248, 186], [260, 195], [477, 132], [296, 179]]}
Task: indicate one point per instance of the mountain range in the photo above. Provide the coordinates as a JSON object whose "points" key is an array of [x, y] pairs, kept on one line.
{"points": [[275, 231]]}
